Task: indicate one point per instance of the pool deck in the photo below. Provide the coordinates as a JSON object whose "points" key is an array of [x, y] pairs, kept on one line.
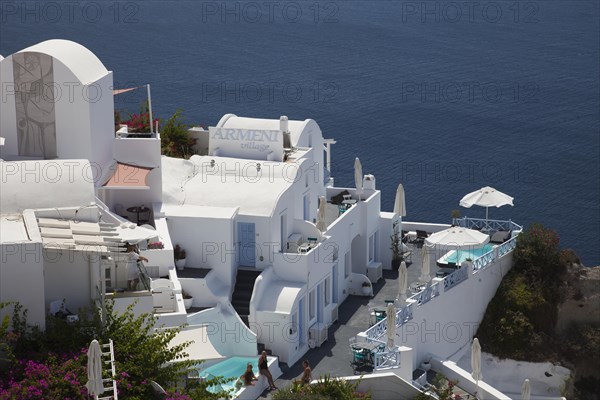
{"points": [[334, 357]]}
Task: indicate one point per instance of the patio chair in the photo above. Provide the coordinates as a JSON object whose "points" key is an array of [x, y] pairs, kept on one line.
{"points": [[420, 238]]}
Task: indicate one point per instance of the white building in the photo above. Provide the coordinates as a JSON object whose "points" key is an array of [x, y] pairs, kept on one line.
{"points": [[244, 209]]}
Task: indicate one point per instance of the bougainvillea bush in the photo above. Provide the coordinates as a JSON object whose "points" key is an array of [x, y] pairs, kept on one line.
{"points": [[53, 364]]}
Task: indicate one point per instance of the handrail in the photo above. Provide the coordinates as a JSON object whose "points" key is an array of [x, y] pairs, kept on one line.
{"points": [[144, 277], [458, 276], [487, 224]]}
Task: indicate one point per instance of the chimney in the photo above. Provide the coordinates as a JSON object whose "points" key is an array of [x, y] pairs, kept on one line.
{"points": [[283, 124]]}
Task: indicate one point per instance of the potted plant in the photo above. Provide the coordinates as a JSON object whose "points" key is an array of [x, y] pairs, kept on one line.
{"points": [[188, 299], [180, 256], [468, 262], [455, 215], [396, 246], [366, 288], [426, 364]]}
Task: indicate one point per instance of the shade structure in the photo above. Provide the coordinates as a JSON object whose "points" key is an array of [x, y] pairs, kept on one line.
{"points": [[402, 282], [486, 197], [526, 390], [128, 176], [321, 224], [476, 362], [391, 324], [358, 176], [94, 367], [457, 237], [400, 202], [425, 268]]}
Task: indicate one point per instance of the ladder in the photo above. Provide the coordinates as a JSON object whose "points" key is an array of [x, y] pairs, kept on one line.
{"points": [[108, 360]]}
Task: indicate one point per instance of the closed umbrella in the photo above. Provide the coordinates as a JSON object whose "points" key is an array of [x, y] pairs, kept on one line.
{"points": [[526, 390], [391, 324], [94, 365], [321, 224], [476, 362], [402, 283], [400, 203], [486, 197], [358, 177], [425, 269]]}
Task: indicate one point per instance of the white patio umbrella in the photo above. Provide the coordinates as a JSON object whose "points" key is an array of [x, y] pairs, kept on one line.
{"points": [[321, 224], [391, 324], [94, 365], [400, 203], [402, 283], [425, 268], [486, 197], [457, 237], [526, 390], [358, 177], [476, 363]]}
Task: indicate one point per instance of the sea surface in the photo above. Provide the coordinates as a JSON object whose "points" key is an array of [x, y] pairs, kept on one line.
{"points": [[443, 97]]}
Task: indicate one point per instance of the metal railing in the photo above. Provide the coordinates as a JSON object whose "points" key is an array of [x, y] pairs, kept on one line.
{"points": [[428, 293], [455, 278], [486, 224], [144, 277], [403, 315], [389, 358]]}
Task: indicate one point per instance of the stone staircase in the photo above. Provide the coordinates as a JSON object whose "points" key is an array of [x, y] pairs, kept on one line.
{"points": [[242, 292]]}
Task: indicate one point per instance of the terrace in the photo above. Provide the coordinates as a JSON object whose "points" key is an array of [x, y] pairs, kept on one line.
{"points": [[357, 322]]}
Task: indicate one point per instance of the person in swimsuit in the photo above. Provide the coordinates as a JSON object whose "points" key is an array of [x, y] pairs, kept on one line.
{"points": [[248, 378], [263, 368]]}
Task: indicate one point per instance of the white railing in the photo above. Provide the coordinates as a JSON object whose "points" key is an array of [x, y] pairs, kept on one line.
{"points": [[484, 260], [455, 278], [386, 359], [426, 294], [507, 247], [403, 315], [487, 224]]}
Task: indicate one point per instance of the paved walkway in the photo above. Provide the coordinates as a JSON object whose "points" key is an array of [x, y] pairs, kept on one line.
{"points": [[334, 356]]}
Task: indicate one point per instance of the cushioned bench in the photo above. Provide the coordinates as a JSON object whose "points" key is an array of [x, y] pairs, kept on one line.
{"points": [[500, 237]]}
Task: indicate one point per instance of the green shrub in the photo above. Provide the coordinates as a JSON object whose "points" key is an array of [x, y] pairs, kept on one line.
{"points": [[175, 138], [326, 389]]}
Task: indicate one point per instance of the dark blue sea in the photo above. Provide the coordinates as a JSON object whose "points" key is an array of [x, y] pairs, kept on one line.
{"points": [[444, 97]]}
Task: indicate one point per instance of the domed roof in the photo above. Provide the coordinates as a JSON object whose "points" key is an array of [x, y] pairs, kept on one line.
{"points": [[81, 61]]}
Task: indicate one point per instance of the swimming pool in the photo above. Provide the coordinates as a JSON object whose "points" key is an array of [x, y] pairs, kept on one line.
{"points": [[232, 367], [458, 256]]}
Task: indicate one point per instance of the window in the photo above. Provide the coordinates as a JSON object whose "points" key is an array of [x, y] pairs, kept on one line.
{"points": [[312, 304], [327, 291], [347, 265]]}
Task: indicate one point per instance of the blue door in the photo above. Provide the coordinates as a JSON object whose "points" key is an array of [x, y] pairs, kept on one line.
{"points": [[246, 244]]}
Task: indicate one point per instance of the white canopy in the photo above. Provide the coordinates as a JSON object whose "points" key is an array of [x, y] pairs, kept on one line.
{"points": [[457, 237], [486, 197]]}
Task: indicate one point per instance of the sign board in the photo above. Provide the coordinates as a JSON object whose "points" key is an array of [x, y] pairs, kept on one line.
{"points": [[251, 144]]}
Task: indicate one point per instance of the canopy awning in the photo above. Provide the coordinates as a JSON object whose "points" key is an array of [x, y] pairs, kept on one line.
{"points": [[201, 346], [127, 176]]}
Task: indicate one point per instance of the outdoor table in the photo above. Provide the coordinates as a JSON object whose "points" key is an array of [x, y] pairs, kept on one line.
{"points": [[416, 287], [137, 210]]}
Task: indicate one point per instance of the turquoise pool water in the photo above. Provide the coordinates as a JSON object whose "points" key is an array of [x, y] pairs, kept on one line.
{"points": [[458, 256], [232, 367]]}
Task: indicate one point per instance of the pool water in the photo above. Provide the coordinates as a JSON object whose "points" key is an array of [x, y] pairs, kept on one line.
{"points": [[232, 367], [458, 256]]}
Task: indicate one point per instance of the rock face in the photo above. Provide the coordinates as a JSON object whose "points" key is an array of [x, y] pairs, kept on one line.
{"points": [[582, 303]]}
